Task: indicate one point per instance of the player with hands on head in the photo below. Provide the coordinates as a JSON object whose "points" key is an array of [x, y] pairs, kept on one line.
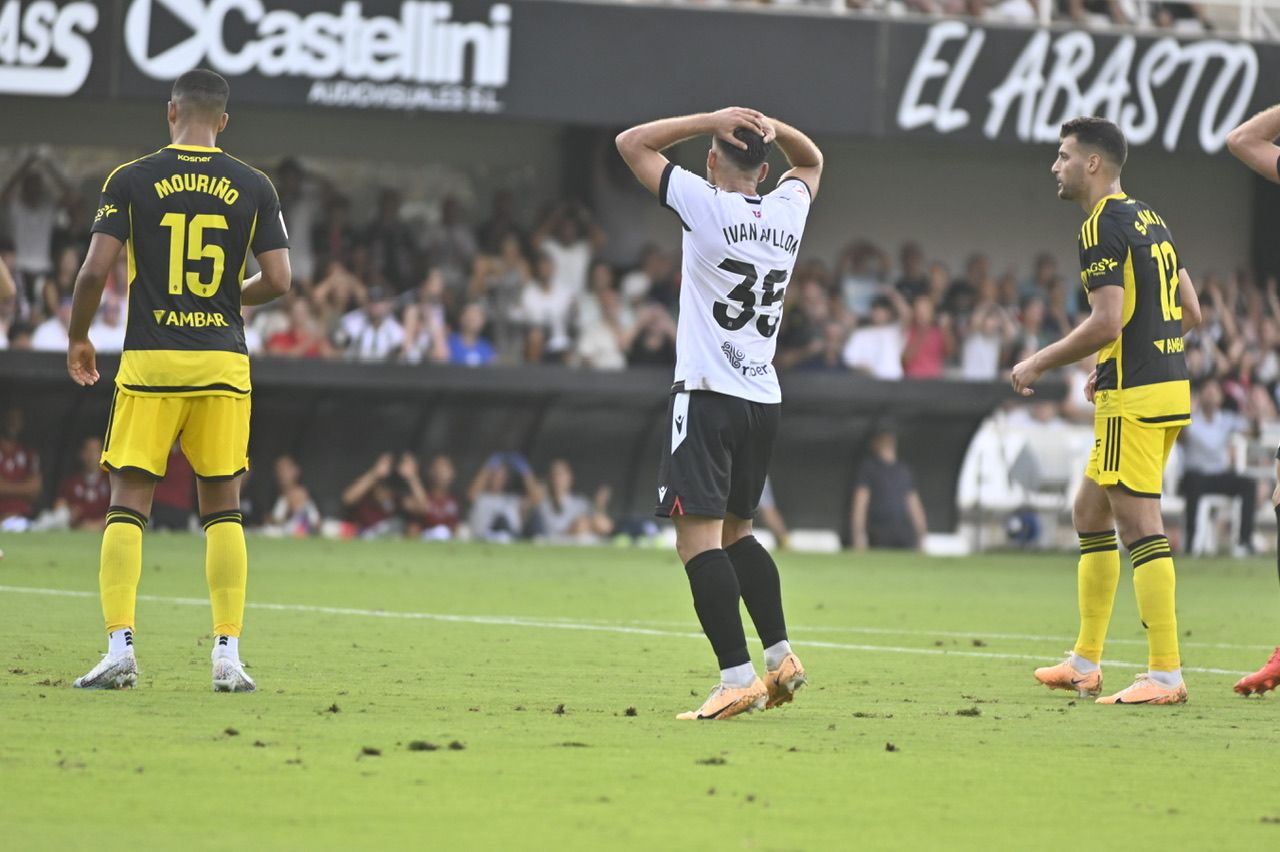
{"points": [[739, 249]]}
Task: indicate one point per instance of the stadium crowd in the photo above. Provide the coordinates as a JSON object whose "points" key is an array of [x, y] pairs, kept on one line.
{"points": [[563, 288]]}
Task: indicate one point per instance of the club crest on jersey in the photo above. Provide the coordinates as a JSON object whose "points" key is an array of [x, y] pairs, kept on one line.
{"points": [[734, 354], [755, 213]]}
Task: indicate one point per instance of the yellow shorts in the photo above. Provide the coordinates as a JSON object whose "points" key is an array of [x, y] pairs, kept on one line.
{"points": [[214, 431], [1131, 455]]}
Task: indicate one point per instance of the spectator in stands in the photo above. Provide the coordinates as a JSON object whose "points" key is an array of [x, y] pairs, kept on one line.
{"points": [[33, 214], [340, 291], [294, 513], [372, 502], [1184, 18], [569, 237], [426, 335], [913, 277], [499, 513], [875, 349], [8, 303], [51, 335], [653, 338], [498, 281], [500, 225], [20, 336], [604, 324], [545, 310], [304, 196], [1208, 464], [451, 247], [802, 341], [20, 481], [990, 329], [887, 512], [861, 271], [1032, 334], [562, 515], [652, 279], [173, 506], [333, 238], [107, 331], [962, 296], [929, 341], [431, 510], [1094, 13], [466, 346], [84, 496], [373, 333], [60, 284], [303, 337], [392, 252]]}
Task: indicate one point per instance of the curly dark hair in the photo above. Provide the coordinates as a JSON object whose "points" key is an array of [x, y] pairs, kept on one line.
{"points": [[1099, 133]]}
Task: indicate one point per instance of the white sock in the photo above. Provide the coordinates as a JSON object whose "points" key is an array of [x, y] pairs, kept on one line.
{"points": [[227, 646], [120, 642], [743, 675], [775, 654], [1082, 665], [1166, 679]]}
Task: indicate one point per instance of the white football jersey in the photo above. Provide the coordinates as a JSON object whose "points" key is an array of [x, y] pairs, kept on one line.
{"points": [[738, 251]]}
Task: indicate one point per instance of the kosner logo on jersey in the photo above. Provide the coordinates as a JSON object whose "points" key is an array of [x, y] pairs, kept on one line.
{"points": [[1153, 90], [422, 59], [43, 47]]}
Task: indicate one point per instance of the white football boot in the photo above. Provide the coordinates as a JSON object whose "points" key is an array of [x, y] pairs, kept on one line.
{"points": [[229, 674], [118, 672]]}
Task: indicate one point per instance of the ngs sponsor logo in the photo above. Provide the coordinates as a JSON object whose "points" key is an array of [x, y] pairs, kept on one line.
{"points": [[44, 47], [421, 59]]}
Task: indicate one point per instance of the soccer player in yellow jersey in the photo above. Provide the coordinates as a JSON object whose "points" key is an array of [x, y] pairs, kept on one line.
{"points": [[1254, 144], [189, 216], [1141, 303]]}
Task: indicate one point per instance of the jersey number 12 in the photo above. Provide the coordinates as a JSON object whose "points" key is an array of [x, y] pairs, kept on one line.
{"points": [[1167, 268], [744, 294], [186, 242]]}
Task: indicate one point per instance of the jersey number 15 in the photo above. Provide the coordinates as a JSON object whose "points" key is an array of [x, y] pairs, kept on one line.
{"points": [[744, 294], [186, 242]]}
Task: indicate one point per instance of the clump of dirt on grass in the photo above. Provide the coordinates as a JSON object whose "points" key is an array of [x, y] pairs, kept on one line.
{"points": [[456, 746], [712, 761], [333, 708], [890, 747], [969, 711], [231, 732], [370, 751], [422, 745], [630, 711], [559, 711], [574, 745], [978, 643]]}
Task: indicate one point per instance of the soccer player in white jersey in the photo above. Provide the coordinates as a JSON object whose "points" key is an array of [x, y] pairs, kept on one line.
{"points": [[739, 250]]}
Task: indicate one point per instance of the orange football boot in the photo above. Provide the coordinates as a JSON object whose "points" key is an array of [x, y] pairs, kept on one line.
{"points": [[784, 681], [1264, 679], [1147, 690], [726, 701], [1065, 676]]}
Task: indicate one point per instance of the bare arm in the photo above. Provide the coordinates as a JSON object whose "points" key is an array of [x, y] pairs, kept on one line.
{"points": [[355, 492], [271, 282], [90, 281], [7, 288], [1254, 143], [1101, 327], [642, 146], [916, 509], [861, 500], [1191, 315], [803, 155]]}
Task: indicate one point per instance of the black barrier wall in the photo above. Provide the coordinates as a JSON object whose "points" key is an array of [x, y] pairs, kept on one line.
{"points": [[335, 417]]}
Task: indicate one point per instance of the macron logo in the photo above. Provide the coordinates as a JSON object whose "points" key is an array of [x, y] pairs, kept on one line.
{"points": [[662, 493]]}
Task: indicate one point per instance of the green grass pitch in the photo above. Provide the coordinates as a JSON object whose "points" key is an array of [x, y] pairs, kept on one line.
{"points": [[531, 660]]}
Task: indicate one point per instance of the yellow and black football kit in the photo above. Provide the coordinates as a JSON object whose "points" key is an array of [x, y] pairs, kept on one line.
{"points": [[190, 217], [1143, 394]]}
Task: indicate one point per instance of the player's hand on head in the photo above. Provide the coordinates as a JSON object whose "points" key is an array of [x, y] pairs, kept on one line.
{"points": [[730, 119], [82, 362]]}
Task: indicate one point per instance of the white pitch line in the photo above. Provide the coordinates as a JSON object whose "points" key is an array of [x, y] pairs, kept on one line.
{"points": [[517, 621]]}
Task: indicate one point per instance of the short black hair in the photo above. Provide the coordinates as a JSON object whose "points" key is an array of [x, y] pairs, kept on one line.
{"points": [[202, 92], [1101, 134], [749, 158]]}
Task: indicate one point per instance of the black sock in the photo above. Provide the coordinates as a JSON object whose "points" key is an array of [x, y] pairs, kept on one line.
{"points": [[761, 588], [715, 598]]}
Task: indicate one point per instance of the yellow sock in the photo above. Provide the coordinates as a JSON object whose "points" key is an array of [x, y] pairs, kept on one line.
{"points": [[1154, 584], [120, 567], [1096, 581], [226, 567]]}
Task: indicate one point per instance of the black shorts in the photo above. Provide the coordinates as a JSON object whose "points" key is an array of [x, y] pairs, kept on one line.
{"points": [[716, 456]]}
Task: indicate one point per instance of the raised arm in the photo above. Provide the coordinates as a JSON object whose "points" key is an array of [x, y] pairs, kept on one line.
{"points": [[1254, 143], [90, 282], [803, 155], [7, 288], [642, 146]]}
